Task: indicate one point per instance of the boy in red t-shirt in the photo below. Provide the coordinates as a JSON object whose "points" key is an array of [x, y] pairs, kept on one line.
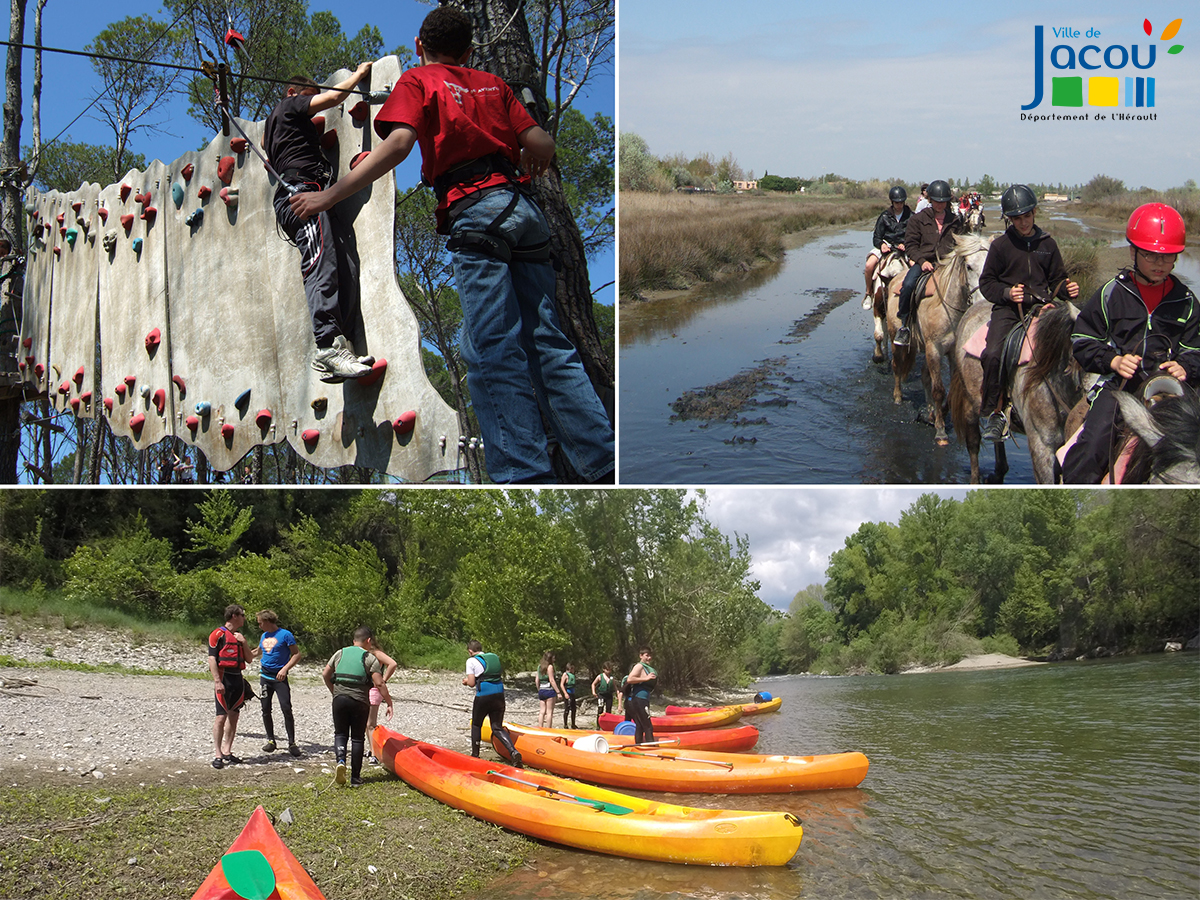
{"points": [[479, 149]]}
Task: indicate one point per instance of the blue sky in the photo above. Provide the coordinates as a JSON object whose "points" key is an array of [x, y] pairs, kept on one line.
{"points": [[915, 91], [69, 82]]}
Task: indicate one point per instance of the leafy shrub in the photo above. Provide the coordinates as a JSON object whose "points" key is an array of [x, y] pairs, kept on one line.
{"points": [[1100, 187], [131, 572]]}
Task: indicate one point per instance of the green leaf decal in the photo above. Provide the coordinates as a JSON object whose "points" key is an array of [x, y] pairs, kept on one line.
{"points": [[1178, 48], [249, 874]]}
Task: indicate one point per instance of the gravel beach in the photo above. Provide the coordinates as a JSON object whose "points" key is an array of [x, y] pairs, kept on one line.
{"points": [[58, 724]]}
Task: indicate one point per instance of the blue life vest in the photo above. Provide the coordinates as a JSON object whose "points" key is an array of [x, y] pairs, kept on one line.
{"points": [[489, 682]]}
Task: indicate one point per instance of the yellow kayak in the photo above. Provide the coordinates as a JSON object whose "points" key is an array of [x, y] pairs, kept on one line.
{"points": [[688, 771], [747, 709], [590, 818], [725, 740]]}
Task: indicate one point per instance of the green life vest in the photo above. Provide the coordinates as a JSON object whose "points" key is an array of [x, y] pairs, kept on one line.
{"points": [[352, 667], [489, 682], [570, 682], [606, 685]]}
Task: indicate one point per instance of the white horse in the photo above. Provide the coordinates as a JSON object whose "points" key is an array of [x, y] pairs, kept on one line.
{"points": [[891, 265]]}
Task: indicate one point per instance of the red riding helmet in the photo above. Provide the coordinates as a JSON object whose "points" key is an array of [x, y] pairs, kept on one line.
{"points": [[1156, 228]]}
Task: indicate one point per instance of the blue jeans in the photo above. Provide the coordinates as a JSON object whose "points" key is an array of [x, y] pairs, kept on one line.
{"points": [[517, 355]]}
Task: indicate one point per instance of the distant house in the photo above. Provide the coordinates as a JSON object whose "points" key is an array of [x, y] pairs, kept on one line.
{"points": [[745, 185], [1055, 198]]}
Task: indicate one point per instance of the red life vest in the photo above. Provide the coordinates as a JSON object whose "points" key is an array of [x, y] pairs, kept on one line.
{"points": [[229, 651]]}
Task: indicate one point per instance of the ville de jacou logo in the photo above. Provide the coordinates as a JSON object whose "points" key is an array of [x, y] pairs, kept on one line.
{"points": [[1102, 90]]}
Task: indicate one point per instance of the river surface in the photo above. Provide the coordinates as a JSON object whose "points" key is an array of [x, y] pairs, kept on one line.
{"points": [[825, 412], [1072, 780]]}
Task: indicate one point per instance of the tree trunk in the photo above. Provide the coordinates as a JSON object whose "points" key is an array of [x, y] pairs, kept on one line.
{"points": [[503, 48]]}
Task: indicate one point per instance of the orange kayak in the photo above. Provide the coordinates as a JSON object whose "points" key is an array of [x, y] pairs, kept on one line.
{"points": [[715, 718], [257, 860], [748, 709], [689, 771], [588, 817], [725, 740]]}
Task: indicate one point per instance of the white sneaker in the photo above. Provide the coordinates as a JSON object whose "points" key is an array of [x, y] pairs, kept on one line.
{"points": [[365, 360], [339, 774], [337, 363]]}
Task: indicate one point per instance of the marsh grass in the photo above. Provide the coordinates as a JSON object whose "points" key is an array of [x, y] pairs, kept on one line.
{"points": [[53, 608], [145, 843], [1119, 206], [674, 241]]}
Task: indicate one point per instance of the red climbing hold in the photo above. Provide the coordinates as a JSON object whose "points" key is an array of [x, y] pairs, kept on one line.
{"points": [[204, 191], [60, 217], [318, 123], [75, 404], [27, 343], [329, 140], [263, 419], [77, 205], [103, 214], [153, 339], [375, 374], [237, 144], [359, 158], [86, 397], [227, 431], [121, 389], [62, 232], [127, 222], [225, 169], [360, 110], [38, 370], [311, 436], [136, 423], [192, 422], [58, 251], [405, 423], [65, 387], [149, 213], [79, 377], [130, 380], [179, 383], [21, 365], [160, 400], [125, 189], [187, 171], [108, 405]]}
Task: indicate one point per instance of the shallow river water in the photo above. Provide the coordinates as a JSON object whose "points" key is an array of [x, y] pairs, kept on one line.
{"points": [[826, 413], [1072, 780]]}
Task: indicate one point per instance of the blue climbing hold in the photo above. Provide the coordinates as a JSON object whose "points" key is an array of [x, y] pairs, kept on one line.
{"points": [[72, 234], [177, 194], [203, 408], [195, 217], [137, 245], [243, 400]]}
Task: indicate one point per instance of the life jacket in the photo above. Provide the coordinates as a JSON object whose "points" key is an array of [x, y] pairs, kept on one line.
{"points": [[351, 668], [489, 682], [606, 685], [570, 682], [229, 651], [642, 689]]}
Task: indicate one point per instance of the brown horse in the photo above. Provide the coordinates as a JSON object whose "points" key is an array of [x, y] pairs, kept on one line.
{"points": [[956, 286], [890, 265], [1042, 391]]}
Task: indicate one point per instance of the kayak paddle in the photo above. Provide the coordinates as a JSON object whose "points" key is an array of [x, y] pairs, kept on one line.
{"points": [[711, 762], [599, 805]]}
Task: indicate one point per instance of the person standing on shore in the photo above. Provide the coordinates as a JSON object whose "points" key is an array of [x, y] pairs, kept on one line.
{"points": [[643, 678], [349, 675], [227, 657], [567, 684], [602, 689], [279, 652], [389, 669], [547, 688], [485, 675]]}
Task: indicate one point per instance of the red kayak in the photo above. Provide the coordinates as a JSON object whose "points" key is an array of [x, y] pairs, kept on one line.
{"points": [[690, 722], [725, 740], [258, 865]]}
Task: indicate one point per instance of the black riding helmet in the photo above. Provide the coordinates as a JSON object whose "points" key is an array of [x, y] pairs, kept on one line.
{"points": [[1017, 201], [940, 191], [897, 194]]}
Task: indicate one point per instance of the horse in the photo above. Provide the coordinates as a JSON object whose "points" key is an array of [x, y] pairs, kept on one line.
{"points": [[1043, 390], [933, 321], [890, 266], [975, 220], [1167, 435]]}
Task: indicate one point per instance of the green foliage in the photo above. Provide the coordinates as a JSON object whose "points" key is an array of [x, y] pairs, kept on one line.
{"points": [[640, 170], [1025, 614], [585, 161], [776, 183], [1100, 187], [65, 165], [131, 572], [221, 525]]}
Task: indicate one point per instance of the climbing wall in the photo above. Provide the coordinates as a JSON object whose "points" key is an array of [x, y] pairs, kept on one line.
{"points": [[204, 328]]}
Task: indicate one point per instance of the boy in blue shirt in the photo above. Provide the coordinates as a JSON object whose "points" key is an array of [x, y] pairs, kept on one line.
{"points": [[279, 653]]}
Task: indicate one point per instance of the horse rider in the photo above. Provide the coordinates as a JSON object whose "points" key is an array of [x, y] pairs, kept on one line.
{"points": [[888, 236], [930, 235], [1023, 270], [1143, 322], [923, 203]]}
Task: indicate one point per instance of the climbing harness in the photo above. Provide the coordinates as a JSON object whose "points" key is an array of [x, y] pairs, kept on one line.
{"points": [[490, 241]]}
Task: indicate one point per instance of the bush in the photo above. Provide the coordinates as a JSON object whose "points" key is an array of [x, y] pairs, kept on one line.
{"points": [[132, 573], [1100, 187]]}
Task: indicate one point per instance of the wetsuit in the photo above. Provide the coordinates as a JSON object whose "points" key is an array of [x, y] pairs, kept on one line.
{"points": [[637, 702], [353, 668], [569, 704], [276, 651]]}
